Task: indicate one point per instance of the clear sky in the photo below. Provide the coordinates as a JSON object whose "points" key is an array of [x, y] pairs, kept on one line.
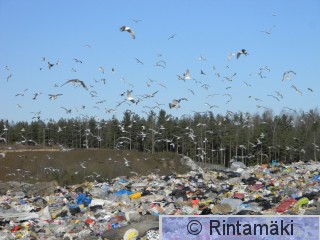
{"points": [[279, 36]]}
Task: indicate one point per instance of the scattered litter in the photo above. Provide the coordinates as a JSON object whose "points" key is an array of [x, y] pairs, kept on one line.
{"points": [[130, 208]]}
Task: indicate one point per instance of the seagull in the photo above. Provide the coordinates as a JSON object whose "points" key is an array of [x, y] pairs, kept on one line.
{"points": [[67, 110], [310, 89], [77, 60], [270, 95], [21, 94], [202, 72], [126, 162], [297, 90], [136, 20], [54, 96], [174, 103], [35, 95], [74, 81], [201, 58], [279, 94], [247, 84], [101, 69], [186, 75], [161, 63], [242, 51], [129, 96], [266, 32], [287, 75], [230, 55], [10, 76], [50, 65], [138, 61], [129, 30], [82, 165], [211, 106], [172, 36], [191, 91], [291, 109], [230, 78]]}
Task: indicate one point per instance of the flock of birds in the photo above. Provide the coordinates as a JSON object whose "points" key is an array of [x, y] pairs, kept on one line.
{"points": [[150, 100]]}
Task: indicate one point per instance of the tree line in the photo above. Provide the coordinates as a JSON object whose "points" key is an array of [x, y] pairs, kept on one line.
{"points": [[205, 137]]}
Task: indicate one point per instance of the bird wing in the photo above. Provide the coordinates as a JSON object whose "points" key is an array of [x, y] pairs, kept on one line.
{"points": [[131, 33], [83, 85]]}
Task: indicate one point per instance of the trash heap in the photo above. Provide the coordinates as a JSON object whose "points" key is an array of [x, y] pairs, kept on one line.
{"points": [[129, 208]]}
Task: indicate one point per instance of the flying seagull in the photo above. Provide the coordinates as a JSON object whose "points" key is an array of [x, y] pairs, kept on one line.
{"points": [[288, 75], [136, 20], [50, 65], [138, 61], [186, 76], [67, 110], [297, 90], [230, 55], [172, 36], [129, 30], [174, 103], [75, 81], [77, 60], [54, 96], [242, 51], [129, 96]]}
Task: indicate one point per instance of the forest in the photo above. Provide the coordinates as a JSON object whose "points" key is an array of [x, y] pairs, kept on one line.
{"points": [[205, 137]]}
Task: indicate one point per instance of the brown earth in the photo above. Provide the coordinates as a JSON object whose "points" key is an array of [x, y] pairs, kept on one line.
{"points": [[75, 166]]}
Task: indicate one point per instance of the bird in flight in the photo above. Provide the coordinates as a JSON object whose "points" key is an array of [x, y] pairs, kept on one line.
{"points": [[54, 96], [50, 65], [101, 69], [75, 81], [297, 90], [129, 30], [67, 110], [172, 36], [201, 58], [138, 61], [77, 60], [136, 20], [174, 103], [242, 51], [10, 76], [310, 89], [186, 76], [270, 95], [129, 96], [288, 75], [266, 32], [211, 106], [22, 93], [230, 55]]}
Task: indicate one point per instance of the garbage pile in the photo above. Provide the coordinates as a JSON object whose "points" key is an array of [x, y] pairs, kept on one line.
{"points": [[129, 208]]}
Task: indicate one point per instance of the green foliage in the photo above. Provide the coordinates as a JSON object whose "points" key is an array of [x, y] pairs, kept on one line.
{"points": [[205, 137]]}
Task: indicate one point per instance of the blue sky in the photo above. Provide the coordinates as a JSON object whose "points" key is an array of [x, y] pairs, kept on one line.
{"points": [[279, 36]]}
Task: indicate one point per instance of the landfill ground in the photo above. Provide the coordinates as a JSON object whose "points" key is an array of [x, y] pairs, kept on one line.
{"points": [[128, 206]]}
